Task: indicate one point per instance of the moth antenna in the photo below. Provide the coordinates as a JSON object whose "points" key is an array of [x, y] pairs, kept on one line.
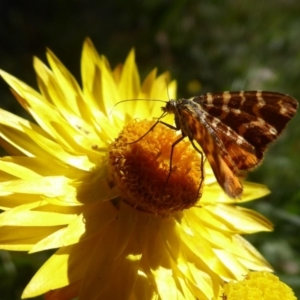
{"points": [[137, 99]]}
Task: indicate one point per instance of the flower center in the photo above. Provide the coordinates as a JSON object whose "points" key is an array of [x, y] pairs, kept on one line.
{"points": [[141, 169]]}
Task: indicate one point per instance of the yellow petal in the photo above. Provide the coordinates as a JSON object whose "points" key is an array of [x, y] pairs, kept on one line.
{"points": [[129, 84], [27, 215], [66, 266], [20, 238], [50, 186], [98, 216]]}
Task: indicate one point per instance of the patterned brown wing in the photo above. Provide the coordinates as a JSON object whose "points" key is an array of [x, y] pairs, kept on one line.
{"points": [[256, 117], [220, 160], [241, 152]]}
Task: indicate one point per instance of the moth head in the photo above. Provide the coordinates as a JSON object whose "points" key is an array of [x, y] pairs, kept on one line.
{"points": [[170, 107]]}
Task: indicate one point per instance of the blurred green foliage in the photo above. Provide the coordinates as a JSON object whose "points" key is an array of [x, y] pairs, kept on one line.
{"points": [[217, 45]]}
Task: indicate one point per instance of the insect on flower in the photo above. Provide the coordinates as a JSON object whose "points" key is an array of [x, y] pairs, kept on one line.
{"points": [[233, 130]]}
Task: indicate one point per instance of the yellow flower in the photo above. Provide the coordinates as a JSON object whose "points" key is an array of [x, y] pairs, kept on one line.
{"points": [[257, 285], [124, 226]]}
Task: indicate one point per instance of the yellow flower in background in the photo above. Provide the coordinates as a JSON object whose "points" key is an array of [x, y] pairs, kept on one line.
{"points": [[257, 285], [79, 181]]}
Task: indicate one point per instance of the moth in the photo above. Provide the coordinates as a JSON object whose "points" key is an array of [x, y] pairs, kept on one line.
{"points": [[233, 129]]}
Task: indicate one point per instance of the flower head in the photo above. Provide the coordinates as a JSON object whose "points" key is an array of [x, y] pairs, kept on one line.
{"points": [[257, 285], [91, 179]]}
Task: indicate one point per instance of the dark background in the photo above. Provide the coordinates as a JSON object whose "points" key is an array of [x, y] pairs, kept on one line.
{"points": [[217, 45]]}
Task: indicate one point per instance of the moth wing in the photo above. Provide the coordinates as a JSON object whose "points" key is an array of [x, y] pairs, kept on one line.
{"points": [[218, 157], [253, 118], [241, 152]]}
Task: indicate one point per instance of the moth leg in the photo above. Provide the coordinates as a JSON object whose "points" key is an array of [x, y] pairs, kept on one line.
{"points": [[172, 149], [169, 125], [171, 160], [201, 166]]}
